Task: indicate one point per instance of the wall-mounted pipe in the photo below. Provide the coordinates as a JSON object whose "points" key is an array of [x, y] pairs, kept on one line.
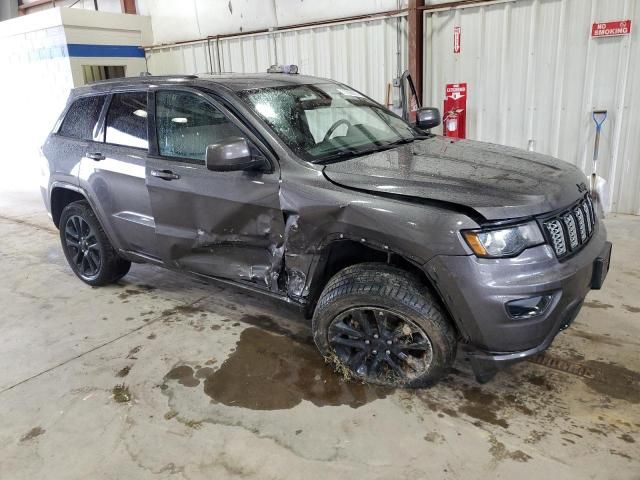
{"points": [[218, 55], [337, 21], [460, 4], [209, 55]]}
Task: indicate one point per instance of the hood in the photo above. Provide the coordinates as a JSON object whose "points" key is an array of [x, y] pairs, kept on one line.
{"points": [[496, 181]]}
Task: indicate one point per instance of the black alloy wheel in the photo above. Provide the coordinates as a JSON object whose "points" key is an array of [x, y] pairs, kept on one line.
{"points": [[380, 346], [87, 247], [380, 324], [83, 246]]}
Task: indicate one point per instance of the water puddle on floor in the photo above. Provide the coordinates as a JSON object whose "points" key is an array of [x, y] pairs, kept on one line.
{"points": [[274, 372]]}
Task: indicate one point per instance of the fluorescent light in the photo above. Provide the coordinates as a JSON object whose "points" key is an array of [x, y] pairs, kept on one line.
{"points": [[179, 120], [140, 113]]}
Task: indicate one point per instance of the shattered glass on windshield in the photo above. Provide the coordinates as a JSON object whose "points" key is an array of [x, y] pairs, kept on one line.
{"points": [[326, 122]]}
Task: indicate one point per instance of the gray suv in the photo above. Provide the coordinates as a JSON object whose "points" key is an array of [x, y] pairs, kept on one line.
{"points": [[398, 243]]}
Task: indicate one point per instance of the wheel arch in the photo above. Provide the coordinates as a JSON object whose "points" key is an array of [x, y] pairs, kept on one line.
{"points": [[341, 253], [61, 196]]}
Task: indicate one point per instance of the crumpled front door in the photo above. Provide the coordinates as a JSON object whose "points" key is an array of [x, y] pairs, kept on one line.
{"points": [[221, 224]]}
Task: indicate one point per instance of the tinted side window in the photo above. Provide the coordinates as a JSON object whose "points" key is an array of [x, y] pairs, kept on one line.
{"points": [[186, 124], [81, 118], [127, 120]]}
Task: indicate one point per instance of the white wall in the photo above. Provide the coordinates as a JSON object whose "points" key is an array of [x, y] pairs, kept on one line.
{"points": [[90, 27], [36, 78], [535, 74], [191, 19], [37, 74]]}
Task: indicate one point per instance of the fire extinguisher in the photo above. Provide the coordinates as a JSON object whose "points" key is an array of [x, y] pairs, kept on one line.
{"points": [[455, 106], [452, 122]]}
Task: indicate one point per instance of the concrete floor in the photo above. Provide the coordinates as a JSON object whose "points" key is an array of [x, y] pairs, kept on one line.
{"points": [[212, 388]]}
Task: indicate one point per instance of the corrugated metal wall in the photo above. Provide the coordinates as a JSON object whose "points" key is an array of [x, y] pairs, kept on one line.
{"points": [[362, 54], [175, 21], [535, 75]]}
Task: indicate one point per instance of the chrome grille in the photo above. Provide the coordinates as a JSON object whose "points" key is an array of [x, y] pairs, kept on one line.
{"points": [[579, 214], [554, 227], [570, 230], [587, 215], [570, 225]]}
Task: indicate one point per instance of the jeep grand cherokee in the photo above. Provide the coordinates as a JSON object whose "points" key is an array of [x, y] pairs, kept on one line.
{"points": [[399, 243]]}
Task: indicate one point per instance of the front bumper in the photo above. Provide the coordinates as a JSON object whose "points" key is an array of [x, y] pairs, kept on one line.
{"points": [[476, 290]]}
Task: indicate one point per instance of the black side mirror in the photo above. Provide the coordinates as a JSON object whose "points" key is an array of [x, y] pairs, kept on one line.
{"points": [[231, 155], [427, 118]]}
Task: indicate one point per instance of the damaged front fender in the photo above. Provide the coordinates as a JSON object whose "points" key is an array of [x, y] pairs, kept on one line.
{"points": [[318, 213]]}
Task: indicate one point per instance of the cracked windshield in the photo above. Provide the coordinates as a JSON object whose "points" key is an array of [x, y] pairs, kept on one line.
{"points": [[329, 122]]}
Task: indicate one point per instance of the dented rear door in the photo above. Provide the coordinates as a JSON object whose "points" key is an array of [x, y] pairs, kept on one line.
{"points": [[221, 224]]}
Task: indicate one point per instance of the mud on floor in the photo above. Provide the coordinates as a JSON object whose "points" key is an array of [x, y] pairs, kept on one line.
{"points": [[270, 371], [274, 372], [275, 367]]}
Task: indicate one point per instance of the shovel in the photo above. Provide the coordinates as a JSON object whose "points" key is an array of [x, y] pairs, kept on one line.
{"points": [[598, 184]]}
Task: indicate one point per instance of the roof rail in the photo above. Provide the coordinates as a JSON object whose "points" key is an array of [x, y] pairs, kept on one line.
{"points": [[144, 77]]}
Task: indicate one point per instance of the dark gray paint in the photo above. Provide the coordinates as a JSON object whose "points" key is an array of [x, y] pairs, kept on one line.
{"points": [[498, 182], [267, 230], [476, 290], [117, 186], [224, 224]]}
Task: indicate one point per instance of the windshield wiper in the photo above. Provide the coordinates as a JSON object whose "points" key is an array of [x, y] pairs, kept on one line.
{"points": [[347, 154], [407, 140], [399, 142]]}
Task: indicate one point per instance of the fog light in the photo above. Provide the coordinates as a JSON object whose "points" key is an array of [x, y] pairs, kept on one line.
{"points": [[528, 307]]}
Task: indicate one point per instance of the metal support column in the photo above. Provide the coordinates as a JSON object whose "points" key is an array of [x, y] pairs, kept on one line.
{"points": [[415, 38], [128, 6]]}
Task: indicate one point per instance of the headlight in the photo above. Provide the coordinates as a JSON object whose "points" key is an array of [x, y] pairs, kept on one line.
{"points": [[503, 242]]}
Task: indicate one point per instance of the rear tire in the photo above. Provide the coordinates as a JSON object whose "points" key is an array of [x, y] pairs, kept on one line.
{"points": [[87, 248], [379, 324]]}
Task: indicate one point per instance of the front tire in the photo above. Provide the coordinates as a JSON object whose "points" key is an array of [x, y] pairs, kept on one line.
{"points": [[377, 323], [87, 248]]}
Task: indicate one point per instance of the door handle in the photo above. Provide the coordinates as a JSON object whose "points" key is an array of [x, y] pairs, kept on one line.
{"points": [[165, 174], [97, 156]]}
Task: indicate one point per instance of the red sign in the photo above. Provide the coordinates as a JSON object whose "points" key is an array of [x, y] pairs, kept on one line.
{"points": [[457, 36], [611, 29], [455, 110]]}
